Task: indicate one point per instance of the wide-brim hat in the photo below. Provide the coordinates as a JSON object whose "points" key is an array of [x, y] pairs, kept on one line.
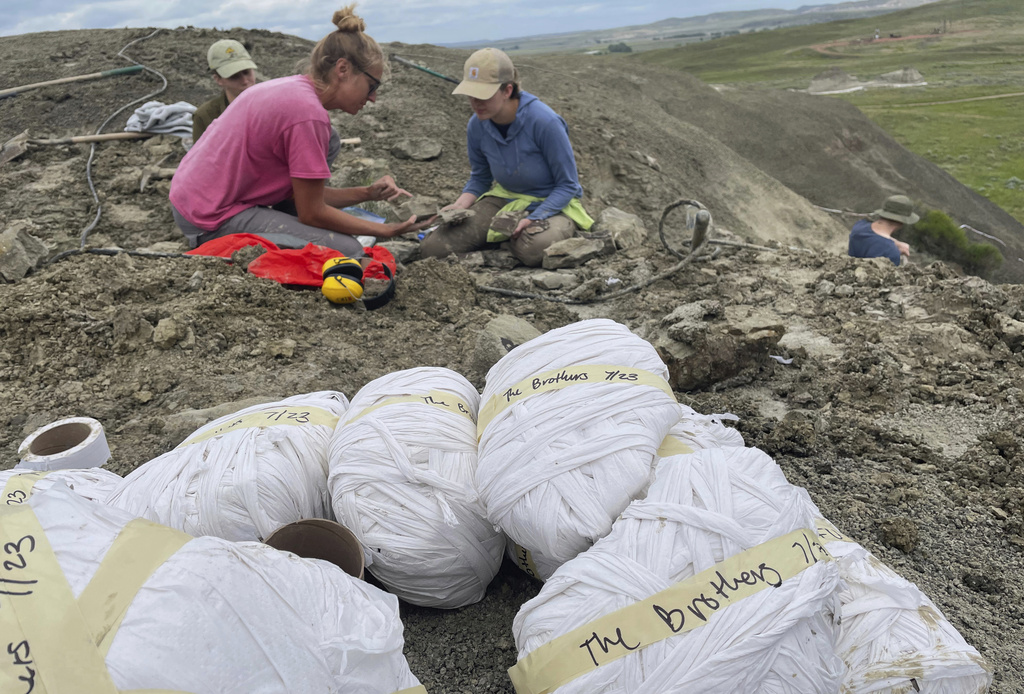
{"points": [[229, 57], [899, 209], [484, 73]]}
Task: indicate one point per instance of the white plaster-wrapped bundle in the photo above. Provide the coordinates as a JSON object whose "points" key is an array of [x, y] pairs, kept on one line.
{"points": [[892, 638], [94, 483], [242, 476], [206, 615], [709, 585], [402, 462], [696, 431], [570, 422]]}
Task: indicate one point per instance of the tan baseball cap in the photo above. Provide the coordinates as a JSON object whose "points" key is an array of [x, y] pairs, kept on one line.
{"points": [[228, 57], [484, 72]]}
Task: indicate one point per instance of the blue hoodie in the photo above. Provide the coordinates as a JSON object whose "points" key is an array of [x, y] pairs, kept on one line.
{"points": [[534, 159]]}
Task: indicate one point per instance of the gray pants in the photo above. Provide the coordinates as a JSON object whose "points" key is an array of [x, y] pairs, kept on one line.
{"points": [[471, 235], [280, 226]]}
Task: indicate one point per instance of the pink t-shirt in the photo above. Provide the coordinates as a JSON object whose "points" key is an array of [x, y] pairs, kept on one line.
{"points": [[271, 133]]}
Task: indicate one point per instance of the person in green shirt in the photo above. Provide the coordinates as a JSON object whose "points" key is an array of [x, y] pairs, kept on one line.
{"points": [[234, 72]]}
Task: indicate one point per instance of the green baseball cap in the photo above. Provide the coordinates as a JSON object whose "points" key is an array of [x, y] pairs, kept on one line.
{"points": [[228, 57]]}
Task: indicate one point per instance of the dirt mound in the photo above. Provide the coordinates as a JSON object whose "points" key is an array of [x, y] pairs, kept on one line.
{"points": [[833, 80], [901, 406], [907, 75]]}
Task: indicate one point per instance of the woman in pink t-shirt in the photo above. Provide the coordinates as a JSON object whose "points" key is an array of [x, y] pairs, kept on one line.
{"points": [[261, 167]]}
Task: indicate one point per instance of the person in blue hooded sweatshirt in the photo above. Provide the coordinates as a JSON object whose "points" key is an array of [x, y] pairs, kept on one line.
{"points": [[523, 186]]}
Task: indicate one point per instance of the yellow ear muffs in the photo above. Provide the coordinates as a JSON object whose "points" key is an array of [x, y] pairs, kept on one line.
{"points": [[343, 280]]}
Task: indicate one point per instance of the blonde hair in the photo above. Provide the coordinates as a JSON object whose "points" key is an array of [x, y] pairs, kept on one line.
{"points": [[348, 42]]}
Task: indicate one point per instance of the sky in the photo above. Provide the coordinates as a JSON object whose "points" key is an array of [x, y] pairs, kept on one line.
{"points": [[409, 21]]}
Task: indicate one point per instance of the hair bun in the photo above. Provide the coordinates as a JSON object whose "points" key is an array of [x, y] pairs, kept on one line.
{"points": [[347, 20]]}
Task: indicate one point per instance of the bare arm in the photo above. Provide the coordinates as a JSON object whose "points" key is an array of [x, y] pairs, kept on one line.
{"points": [[311, 202], [344, 197]]}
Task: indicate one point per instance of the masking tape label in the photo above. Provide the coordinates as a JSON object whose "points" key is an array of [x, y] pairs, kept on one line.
{"points": [[19, 487], [558, 379], [673, 446], [524, 560], [45, 645], [830, 533], [434, 398], [414, 690], [678, 609], [289, 415]]}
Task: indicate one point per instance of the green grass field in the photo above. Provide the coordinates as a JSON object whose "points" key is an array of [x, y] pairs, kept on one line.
{"points": [[967, 49]]}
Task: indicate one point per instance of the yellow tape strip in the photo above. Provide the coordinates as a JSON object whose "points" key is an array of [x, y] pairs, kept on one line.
{"points": [[270, 417], [435, 398], [46, 645], [19, 487], [139, 549], [524, 560], [414, 690], [683, 607], [830, 533], [673, 446], [563, 378]]}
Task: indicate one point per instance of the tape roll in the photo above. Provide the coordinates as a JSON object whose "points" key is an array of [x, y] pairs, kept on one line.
{"points": [[74, 443]]}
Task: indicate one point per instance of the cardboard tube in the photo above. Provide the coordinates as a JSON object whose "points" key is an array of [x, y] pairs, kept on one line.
{"points": [[75, 443], [318, 538]]}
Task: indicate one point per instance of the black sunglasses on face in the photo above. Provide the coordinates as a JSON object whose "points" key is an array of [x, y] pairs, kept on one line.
{"points": [[373, 85]]}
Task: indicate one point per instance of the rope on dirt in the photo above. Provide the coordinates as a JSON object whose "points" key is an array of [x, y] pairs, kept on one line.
{"points": [[118, 251], [92, 148], [848, 213]]}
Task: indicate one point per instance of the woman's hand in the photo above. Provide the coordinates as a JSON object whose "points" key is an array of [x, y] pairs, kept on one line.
{"points": [[463, 202], [410, 225], [385, 188], [523, 223]]}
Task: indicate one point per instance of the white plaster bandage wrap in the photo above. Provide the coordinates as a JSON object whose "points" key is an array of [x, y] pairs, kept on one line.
{"points": [[696, 431], [242, 476], [402, 463], [215, 617], [698, 514], [570, 422], [892, 637], [94, 484]]}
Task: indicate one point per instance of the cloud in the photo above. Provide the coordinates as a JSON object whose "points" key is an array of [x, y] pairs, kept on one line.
{"points": [[410, 21]]}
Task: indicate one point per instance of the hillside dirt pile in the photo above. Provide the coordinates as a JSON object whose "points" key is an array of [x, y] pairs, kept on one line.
{"points": [[899, 407]]}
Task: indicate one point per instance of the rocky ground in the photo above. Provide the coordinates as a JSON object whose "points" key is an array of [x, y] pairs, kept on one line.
{"points": [[900, 411]]}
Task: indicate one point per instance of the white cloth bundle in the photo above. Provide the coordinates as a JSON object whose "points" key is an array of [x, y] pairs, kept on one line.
{"points": [[219, 617], [701, 431], [570, 424], [160, 118], [242, 476], [698, 513], [94, 483], [402, 463], [892, 637]]}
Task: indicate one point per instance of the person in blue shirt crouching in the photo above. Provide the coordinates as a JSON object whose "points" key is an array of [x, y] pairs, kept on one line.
{"points": [[872, 237], [523, 185]]}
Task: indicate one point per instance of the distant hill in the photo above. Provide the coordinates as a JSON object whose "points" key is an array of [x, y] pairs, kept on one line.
{"points": [[682, 30]]}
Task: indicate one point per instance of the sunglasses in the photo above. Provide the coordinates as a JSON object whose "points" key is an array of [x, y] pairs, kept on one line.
{"points": [[374, 85]]}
